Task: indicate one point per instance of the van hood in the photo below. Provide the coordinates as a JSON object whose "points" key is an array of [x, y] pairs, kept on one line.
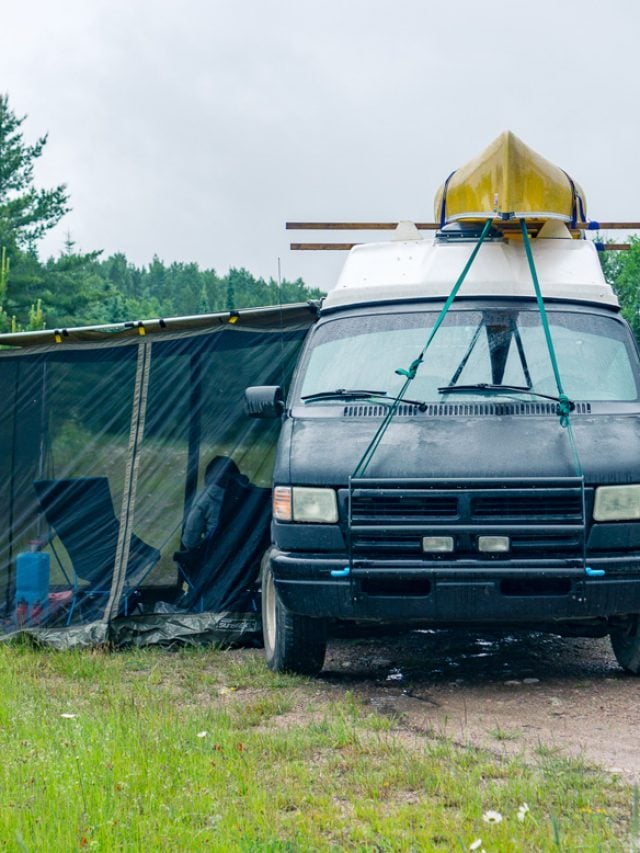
{"points": [[325, 451]]}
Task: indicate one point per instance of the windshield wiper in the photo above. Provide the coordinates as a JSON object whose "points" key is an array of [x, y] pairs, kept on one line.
{"points": [[360, 394], [488, 388], [347, 393]]}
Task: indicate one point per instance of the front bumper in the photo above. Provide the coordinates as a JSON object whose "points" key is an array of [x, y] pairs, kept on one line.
{"points": [[467, 592]]}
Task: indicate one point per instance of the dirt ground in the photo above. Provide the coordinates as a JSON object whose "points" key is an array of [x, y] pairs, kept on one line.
{"points": [[509, 693]]}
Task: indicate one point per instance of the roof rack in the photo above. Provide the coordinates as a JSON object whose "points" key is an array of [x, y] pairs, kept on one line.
{"points": [[505, 225]]}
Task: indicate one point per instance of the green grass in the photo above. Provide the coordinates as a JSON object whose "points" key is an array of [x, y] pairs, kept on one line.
{"points": [[206, 749], [501, 734]]}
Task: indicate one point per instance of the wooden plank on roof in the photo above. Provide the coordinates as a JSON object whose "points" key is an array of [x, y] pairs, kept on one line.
{"points": [[306, 247], [345, 247], [434, 226], [356, 226]]}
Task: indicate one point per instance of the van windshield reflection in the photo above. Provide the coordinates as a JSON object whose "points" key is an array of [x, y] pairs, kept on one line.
{"points": [[474, 352]]}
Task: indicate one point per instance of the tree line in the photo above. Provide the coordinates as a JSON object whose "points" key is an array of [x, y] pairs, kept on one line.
{"points": [[622, 271], [77, 289], [85, 288]]}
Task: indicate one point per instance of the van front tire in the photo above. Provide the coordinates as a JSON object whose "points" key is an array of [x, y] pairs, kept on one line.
{"points": [[292, 643], [625, 641]]}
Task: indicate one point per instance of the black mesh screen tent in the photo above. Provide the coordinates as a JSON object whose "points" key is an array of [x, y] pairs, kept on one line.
{"points": [[105, 436]]}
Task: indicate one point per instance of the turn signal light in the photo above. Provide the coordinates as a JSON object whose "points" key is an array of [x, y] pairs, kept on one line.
{"points": [[282, 503]]}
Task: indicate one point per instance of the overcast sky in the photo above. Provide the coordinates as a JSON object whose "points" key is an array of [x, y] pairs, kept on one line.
{"points": [[193, 130]]}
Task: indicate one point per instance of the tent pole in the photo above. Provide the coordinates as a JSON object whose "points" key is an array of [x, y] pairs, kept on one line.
{"points": [[136, 434], [195, 432], [12, 487], [44, 438], [195, 436]]}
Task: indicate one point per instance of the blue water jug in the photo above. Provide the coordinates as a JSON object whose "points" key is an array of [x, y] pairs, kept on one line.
{"points": [[32, 583]]}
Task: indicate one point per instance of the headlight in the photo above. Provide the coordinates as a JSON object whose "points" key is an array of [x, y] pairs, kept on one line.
{"points": [[319, 505], [617, 503], [302, 503]]}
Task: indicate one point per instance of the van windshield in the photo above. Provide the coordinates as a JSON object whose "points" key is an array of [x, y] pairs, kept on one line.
{"points": [[493, 346]]}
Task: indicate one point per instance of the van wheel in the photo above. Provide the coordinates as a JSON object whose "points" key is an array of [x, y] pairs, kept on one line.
{"points": [[625, 641], [292, 643]]}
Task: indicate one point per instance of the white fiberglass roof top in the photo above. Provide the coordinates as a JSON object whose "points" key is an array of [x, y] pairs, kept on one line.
{"points": [[413, 269]]}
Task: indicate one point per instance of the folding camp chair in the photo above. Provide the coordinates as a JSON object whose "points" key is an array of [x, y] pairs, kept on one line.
{"points": [[80, 511]]}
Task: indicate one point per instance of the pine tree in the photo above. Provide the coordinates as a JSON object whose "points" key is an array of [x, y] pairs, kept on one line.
{"points": [[622, 271], [26, 213]]}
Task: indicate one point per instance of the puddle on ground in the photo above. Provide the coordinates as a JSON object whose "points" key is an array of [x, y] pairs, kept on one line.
{"points": [[444, 656]]}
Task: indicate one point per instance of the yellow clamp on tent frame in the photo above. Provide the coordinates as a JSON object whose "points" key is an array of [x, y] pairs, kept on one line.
{"points": [[233, 318], [141, 328], [58, 334]]}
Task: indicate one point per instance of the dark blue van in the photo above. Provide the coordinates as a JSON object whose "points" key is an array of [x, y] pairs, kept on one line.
{"points": [[474, 492]]}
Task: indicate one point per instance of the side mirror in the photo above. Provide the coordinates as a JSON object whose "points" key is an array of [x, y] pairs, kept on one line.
{"points": [[264, 401]]}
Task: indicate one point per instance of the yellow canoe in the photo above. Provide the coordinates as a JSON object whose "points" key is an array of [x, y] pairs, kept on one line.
{"points": [[510, 180]]}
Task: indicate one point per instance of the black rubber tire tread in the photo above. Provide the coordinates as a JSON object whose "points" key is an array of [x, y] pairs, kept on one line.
{"points": [[299, 642], [625, 643]]}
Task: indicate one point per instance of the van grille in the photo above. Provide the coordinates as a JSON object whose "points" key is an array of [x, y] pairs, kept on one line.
{"points": [[415, 506], [544, 507], [542, 521], [393, 509]]}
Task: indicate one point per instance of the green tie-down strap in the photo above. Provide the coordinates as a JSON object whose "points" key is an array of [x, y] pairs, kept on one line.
{"points": [[564, 409], [410, 372], [564, 403], [413, 369], [415, 364]]}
